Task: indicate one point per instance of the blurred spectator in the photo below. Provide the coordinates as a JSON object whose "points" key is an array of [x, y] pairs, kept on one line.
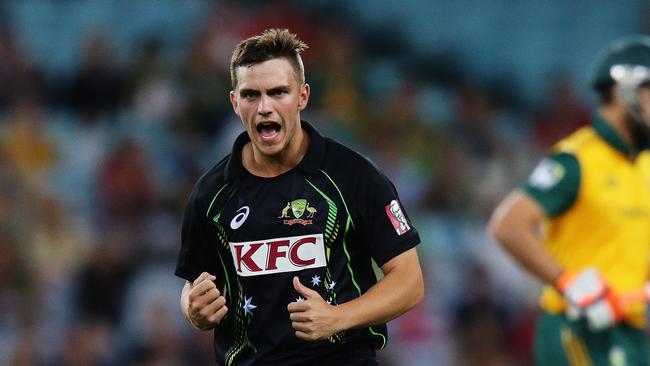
{"points": [[334, 79], [98, 87], [25, 351], [57, 246], [476, 122], [560, 114], [448, 189], [13, 207], [156, 99], [101, 284], [19, 76], [205, 76], [25, 142], [480, 322], [87, 343], [17, 298], [150, 333], [125, 180]]}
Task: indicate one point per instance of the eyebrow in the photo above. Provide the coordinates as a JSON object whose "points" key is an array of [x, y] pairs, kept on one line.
{"points": [[278, 89], [248, 91], [271, 90]]}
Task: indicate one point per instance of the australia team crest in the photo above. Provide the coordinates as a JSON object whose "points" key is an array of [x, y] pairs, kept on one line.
{"points": [[298, 208]]}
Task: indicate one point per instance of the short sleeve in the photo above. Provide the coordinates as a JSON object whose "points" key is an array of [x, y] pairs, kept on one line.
{"points": [[555, 183], [194, 253], [383, 221]]}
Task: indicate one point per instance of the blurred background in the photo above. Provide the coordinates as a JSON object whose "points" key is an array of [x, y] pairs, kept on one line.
{"points": [[110, 111]]}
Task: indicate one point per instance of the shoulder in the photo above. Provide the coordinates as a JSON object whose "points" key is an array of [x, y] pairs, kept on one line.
{"points": [[211, 182], [555, 182], [553, 169], [583, 138], [644, 157], [358, 180], [342, 159], [644, 161]]}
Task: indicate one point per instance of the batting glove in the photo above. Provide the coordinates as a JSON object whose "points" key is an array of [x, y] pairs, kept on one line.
{"points": [[582, 289], [604, 312]]}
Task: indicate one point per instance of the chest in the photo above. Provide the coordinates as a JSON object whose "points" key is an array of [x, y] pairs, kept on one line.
{"points": [[617, 189], [279, 225]]}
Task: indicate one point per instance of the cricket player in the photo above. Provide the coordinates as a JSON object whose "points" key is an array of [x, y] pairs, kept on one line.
{"points": [[581, 223], [279, 237]]}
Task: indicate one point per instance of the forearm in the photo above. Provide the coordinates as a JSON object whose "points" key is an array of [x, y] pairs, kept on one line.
{"points": [[515, 225], [530, 252], [396, 293]]}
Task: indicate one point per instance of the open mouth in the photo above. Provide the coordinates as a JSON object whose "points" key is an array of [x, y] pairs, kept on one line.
{"points": [[268, 130]]}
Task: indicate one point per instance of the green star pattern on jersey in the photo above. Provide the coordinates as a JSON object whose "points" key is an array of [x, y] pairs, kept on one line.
{"points": [[241, 323], [331, 233], [241, 320]]}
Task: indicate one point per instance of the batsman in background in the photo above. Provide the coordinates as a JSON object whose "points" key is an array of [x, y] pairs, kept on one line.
{"points": [[581, 223]]}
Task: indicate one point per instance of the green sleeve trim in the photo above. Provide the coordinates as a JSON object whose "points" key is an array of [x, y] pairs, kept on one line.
{"points": [[555, 183]]}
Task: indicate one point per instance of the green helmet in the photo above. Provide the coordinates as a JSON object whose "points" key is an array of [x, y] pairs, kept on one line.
{"points": [[627, 64], [629, 51]]}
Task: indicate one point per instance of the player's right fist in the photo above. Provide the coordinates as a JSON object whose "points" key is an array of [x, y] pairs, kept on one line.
{"points": [[582, 289], [206, 305]]}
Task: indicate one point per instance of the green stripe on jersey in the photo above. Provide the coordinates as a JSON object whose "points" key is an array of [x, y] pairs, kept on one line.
{"points": [[207, 213], [340, 195]]}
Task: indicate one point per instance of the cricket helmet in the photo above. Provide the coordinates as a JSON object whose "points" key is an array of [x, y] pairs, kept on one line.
{"points": [[624, 58], [625, 63]]}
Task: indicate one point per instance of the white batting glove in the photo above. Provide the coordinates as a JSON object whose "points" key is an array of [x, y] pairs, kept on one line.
{"points": [[604, 313], [582, 289]]}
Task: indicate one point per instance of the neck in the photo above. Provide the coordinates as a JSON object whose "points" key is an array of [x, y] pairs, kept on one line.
{"points": [[269, 166], [616, 117]]}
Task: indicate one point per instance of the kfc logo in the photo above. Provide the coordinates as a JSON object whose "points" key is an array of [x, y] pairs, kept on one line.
{"points": [[278, 255], [397, 218]]}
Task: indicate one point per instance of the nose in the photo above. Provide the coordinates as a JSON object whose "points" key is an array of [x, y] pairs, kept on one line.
{"points": [[264, 107]]}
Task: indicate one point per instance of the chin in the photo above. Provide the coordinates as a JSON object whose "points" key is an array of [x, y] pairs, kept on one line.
{"points": [[272, 150]]}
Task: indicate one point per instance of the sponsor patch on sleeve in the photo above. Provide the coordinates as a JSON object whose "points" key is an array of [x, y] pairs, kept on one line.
{"points": [[546, 175], [397, 218]]}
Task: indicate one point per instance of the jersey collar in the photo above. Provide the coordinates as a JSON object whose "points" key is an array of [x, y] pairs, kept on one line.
{"points": [[607, 133], [310, 163]]}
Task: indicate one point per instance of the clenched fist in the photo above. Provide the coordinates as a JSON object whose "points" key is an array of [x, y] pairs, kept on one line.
{"points": [[312, 318], [205, 306]]}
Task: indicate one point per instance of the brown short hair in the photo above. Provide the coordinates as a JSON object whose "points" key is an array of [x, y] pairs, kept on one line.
{"points": [[270, 44]]}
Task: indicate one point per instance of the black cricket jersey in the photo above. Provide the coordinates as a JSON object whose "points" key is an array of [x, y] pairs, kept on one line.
{"points": [[323, 221]]}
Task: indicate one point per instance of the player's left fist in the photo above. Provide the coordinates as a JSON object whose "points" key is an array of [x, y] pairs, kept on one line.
{"points": [[312, 317]]}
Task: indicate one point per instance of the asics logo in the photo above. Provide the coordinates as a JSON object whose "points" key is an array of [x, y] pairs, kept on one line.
{"points": [[239, 219]]}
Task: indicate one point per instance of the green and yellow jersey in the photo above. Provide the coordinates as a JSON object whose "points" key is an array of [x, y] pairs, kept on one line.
{"points": [[595, 191]]}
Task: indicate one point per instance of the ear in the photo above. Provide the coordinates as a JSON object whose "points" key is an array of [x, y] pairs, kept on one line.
{"points": [[233, 102], [304, 97]]}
